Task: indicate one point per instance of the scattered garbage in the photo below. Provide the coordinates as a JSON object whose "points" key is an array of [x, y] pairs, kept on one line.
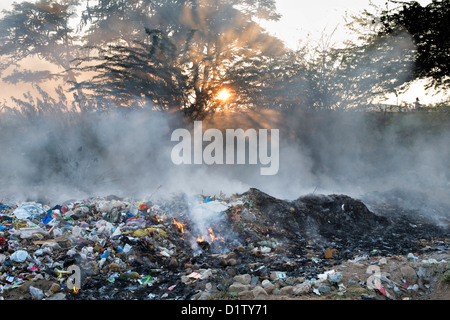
{"points": [[247, 246]]}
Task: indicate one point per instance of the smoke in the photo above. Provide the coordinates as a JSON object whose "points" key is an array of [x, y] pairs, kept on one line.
{"points": [[55, 157], [128, 154]]}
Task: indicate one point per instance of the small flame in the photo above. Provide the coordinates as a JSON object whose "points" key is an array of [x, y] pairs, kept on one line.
{"points": [[179, 225], [159, 219], [75, 289], [213, 236]]}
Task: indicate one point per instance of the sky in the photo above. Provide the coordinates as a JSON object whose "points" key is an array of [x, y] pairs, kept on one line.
{"points": [[301, 18], [310, 19]]}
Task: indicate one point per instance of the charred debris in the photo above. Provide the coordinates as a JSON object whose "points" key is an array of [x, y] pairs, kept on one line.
{"points": [[246, 246]]}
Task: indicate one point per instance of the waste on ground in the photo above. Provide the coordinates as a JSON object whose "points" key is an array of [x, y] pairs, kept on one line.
{"points": [[243, 246]]}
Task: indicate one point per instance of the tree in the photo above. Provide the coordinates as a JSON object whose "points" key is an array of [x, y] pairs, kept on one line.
{"points": [[360, 72], [40, 30], [430, 30], [37, 30], [132, 76], [192, 50]]}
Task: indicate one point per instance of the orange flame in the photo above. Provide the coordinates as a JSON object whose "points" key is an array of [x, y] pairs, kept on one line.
{"points": [[213, 236], [75, 289], [180, 226], [159, 219]]}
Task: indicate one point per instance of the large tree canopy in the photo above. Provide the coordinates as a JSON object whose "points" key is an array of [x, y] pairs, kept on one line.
{"points": [[191, 51], [174, 55], [37, 30], [429, 28]]}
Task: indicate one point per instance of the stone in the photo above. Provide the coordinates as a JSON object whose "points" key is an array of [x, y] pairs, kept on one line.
{"points": [[204, 296], [288, 290], [231, 255], [243, 278], [55, 288], [231, 271], [259, 292], [246, 295], [302, 288], [269, 288], [173, 263], [232, 262], [328, 254], [131, 275], [409, 274], [237, 287]]}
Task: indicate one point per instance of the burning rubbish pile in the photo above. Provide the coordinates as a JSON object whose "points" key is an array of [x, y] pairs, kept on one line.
{"points": [[247, 246]]}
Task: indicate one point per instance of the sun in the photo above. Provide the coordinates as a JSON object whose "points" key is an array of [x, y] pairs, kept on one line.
{"points": [[223, 95]]}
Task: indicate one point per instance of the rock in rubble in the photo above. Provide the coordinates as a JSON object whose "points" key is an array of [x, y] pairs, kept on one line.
{"points": [[244, 279], [409, 274], [238, 287], [302, 288], [259, 292]]}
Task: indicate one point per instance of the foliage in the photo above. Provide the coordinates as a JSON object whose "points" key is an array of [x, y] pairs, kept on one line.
{"points": [[193, 50], [176, 55], [430, 30]]}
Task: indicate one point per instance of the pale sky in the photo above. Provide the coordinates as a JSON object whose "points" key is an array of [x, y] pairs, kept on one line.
{"points": [[302, 19]]}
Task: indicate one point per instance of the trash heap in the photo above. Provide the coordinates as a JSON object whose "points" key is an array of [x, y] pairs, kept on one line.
{"points": [[247, 246]]}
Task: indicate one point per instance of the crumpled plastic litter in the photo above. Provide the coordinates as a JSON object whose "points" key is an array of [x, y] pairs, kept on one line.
{"points": [[29, 210], [19, 256]]}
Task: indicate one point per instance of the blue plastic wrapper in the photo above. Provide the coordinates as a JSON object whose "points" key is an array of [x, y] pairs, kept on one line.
{"points": [[48, 217]]}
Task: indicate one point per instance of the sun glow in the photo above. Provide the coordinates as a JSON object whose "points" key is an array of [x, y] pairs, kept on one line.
{"points": [[223, 95]]}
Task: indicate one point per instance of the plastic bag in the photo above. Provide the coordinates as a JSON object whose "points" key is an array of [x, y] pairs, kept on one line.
{"points": [[19, 256], [29, 211]]}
